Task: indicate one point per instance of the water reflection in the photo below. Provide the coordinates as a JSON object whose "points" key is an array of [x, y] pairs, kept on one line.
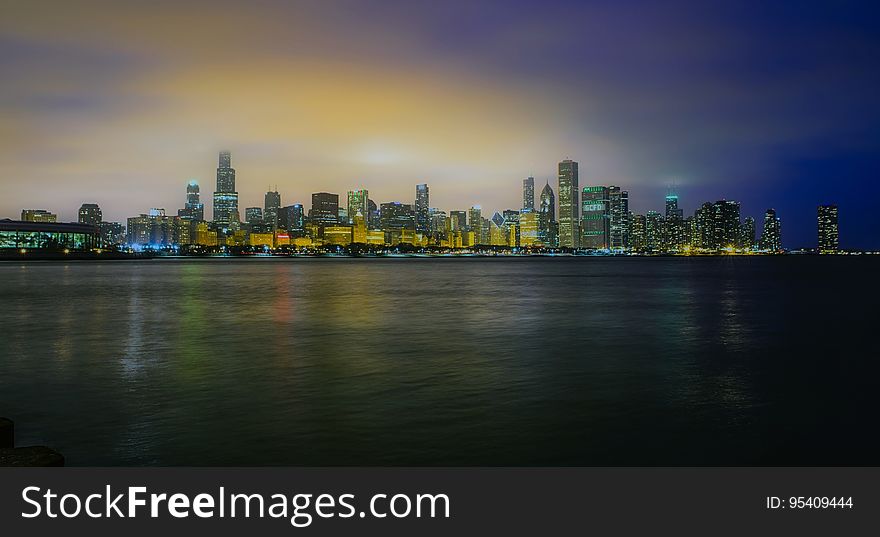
{"points": [[436, 361]]}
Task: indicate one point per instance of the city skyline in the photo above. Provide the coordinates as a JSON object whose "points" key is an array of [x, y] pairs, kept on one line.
{"points": [[117, 103], [598, 218]]}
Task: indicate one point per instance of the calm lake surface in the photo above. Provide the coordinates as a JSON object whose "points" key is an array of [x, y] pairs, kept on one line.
{"points": [[461, 361]]}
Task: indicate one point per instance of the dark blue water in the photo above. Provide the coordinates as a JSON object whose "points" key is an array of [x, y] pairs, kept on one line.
{"points": [[518, 361]]}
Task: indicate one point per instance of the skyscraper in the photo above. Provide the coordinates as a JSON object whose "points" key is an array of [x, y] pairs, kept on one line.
{"points": [[458, 220], [771, 234], [547, 227], [358, 200], [747, 233], [422, 209], [725, 224], [271, 204], [325, 209], [528, 193], [653, 231], [475, 223], [618, 201], [829, 237], [595, 218], [397, 216], [704, 227], [253, 215], [639, 237], [225, 196], [568, 204], [193, 209], [294, 219], [89, 213], [672, 209], [528, 227]]}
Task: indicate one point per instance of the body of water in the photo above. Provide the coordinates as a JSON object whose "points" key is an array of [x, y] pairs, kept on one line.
{"points": [[460, 361]]}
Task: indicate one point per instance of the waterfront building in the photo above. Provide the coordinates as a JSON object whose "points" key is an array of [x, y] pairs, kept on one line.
{"points": [[528, 228], [829, 234], [497, 234], [704, 228], [154, 229], [376, 237], [547, 226], [528, 193], [253, 215], [638, 231], [458, 220], [619, 224], [440, 224], [568, 204], [205, 236], [595, 218], [475, 224], [282, 237], [359, 228], [771, 234], [225, 195], [271, 206], [372, 215], [725, 224], [653, 231], [261, 239], [325, 209], [747, 234], [18, 235], [38, 215], [358, 201], [111, 233], [89, 213], [193, 210], [672, 209], [292, 218], [396, 216], [422, 206]]}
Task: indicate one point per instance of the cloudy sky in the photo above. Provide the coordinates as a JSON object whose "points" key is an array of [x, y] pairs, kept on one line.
{"points": [[122, 102]]}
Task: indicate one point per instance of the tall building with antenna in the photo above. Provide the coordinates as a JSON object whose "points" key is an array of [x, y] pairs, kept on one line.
{"points": [[225, 196]]}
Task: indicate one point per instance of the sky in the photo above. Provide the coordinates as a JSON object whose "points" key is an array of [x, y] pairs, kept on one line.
{"points": [[121, 103]]}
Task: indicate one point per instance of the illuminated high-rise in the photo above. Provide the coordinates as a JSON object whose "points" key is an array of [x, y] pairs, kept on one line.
{"points": [[422, 209], [638, 232], [225, 195], [253, 215], [38, 215], [725, 224], [528, 193], [475, 223], [771, 234], [294, 219], [325, 209], [358, 200], [747, 233], [397, 216], [672, 209], [595, 218], [271, 205], [528, 227], [458, 220], [568, 204], [193, 210], [829, 236], [653, 231], [547, 225], [619, 223], [89, 213]]}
